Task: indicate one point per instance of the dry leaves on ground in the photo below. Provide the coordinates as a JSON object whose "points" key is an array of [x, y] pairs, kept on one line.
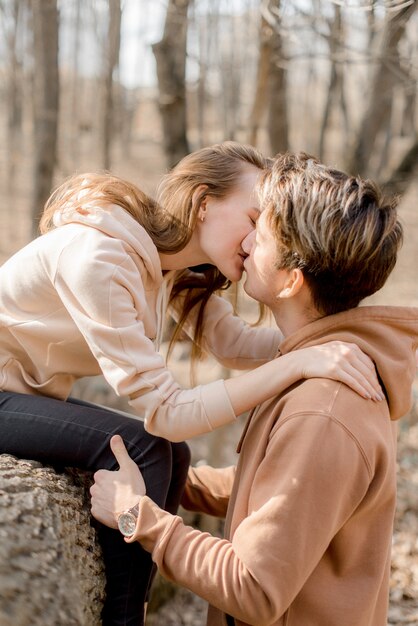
{"points": [[404, 578]]}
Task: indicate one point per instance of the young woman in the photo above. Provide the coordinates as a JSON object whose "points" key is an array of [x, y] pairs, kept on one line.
{"points": [[89, 297]]}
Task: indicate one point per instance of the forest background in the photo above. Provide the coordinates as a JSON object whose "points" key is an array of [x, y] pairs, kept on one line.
{"points": [[132, 86]]}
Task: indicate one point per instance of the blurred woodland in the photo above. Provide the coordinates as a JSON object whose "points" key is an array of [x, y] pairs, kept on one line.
{"points": [[131, 86], [134, 85]]}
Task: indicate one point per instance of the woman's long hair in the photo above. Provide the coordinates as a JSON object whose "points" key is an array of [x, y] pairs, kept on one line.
{"points": [[83, 192]]}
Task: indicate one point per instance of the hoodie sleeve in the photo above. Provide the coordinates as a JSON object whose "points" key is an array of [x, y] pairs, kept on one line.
{"points": [[208, 490], [102, 290], [255, 576], [233, 342]]}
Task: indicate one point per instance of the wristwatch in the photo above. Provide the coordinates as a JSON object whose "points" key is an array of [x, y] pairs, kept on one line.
{"points": [[127, 521]]}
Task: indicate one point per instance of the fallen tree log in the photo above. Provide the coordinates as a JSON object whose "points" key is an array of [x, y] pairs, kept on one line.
{"points": [[51, 569]]}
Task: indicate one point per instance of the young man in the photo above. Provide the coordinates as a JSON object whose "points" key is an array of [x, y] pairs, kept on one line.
{"points": [[309, 508]]}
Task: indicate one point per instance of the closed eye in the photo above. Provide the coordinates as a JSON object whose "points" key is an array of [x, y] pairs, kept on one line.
{"points": [[255, 214]]}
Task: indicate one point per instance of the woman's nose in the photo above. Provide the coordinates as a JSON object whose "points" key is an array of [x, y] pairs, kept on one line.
{"points": [[247, 242]]}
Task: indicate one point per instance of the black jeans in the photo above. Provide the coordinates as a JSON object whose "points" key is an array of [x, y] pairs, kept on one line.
{"points": [[77, 434]]}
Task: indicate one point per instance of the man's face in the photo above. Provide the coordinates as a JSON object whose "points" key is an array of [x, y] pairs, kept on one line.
{"points": [[263, 280]]}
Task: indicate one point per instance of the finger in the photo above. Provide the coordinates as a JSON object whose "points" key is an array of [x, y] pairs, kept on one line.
{"points": [[351, 351], [100, 474], [364, 371], [354, 379], [358, 359], [353, 383], [118, 448], [367, 376], [364, 358]]}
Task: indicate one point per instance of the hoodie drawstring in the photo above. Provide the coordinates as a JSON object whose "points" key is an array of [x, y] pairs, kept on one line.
{"points": [[162, 305]]}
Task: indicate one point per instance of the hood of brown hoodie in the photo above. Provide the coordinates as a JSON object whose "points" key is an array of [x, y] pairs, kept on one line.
{"points": [[389, 335]]}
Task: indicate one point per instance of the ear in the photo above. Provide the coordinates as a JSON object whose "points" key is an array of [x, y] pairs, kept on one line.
{"points": [[199, 201], [293, 284]]}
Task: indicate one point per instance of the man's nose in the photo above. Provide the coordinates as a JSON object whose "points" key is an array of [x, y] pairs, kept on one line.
{"points": [[247, 242]]}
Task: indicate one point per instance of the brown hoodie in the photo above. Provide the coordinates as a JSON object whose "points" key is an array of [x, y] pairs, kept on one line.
{"points": [[310, 507]]}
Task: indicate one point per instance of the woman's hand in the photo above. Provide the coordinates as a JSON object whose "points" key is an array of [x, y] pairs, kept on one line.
{"points": [[341, 361], [114, 492]]}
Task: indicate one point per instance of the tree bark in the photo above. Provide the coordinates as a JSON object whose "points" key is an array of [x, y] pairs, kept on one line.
{"points": [[277, 124], [405, 172], [14, 92], [46, 102], [261, 89], [170, 56], [112, 62], [379, 110], [231, 86], [75, 122], [205, 34], [51, 570], [336, 84], [408, 126]]}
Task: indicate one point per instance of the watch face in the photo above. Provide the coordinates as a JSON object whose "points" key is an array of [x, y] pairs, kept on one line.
{"points": [[127, 524]]}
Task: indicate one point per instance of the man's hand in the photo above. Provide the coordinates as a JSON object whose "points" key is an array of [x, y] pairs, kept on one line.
{"points": [[115, 492]]}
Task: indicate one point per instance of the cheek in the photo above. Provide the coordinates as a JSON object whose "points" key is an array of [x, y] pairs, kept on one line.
{"points": [[263, 265], [258, 259]]}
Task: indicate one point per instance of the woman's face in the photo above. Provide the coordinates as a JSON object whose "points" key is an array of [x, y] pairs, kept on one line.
{"points": [[227, 222]]}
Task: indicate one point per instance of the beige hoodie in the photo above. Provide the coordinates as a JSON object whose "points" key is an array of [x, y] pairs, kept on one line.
{"points": [[309, 509], [90, 298]]}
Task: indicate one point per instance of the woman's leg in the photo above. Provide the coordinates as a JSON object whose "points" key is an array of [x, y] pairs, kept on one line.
{"points": [[180, 454], [77, 434]]}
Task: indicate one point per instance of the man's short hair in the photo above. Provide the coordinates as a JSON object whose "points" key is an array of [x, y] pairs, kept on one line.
{"points": [[338, 229]]}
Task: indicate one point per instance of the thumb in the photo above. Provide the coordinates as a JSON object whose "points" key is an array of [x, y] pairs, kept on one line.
{"points": [[118, 448]]}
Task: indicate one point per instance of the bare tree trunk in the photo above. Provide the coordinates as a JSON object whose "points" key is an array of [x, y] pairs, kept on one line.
{"points": [[128, 104], [261, 89], [336, 84], [46, 101], [278, 127], [384, 148], [405, 173], [204, 45], [379, 110], [75, 97], [408, 125], [170, 55], [371, 25], [206, 30], [14, 92], [230, 87], [112, 62]]}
